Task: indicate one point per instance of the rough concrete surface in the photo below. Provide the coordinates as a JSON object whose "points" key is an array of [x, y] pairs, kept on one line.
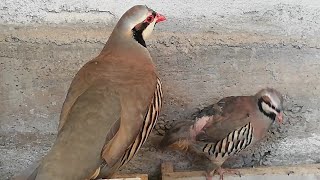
{"points": [[234, 48], [285, 17]]}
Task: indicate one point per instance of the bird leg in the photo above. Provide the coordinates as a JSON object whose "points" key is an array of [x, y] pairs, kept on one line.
{"points": [[220, 171], [209, 175]]}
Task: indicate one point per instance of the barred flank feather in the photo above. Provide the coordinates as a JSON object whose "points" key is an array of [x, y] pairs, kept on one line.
{"points": [[148, 124], [232, 144]]}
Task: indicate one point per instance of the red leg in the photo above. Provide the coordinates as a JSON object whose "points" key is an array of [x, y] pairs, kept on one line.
{"points": [[221, 171], [209, 175]]}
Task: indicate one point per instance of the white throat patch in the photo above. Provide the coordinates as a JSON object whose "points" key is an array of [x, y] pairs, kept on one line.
{"points": [[267, 108], [147, 32]]}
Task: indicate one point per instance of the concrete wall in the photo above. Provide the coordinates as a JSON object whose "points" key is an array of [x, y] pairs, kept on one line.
{"points": [[284, 17], [206, 50]]}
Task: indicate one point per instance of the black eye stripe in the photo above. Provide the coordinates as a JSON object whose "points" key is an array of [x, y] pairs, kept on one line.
{"points": [[154, 13], [278, 110], [268, 103], [273, 107]]}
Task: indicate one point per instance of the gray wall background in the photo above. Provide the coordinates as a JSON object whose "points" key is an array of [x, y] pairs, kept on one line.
{"points": [[204, 51]]}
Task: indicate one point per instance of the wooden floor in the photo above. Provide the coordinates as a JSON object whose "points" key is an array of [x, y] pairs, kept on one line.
{"points": [[298, 172], [301, 172], [129, 177]]}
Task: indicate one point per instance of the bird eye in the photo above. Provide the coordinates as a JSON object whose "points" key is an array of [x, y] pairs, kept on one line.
{"points": [[149, 19]]}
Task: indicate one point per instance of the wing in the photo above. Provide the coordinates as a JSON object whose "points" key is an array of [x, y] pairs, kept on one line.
{"points": [[213, 123], [229, 129], [226, 116], [80, 83], [141, 99], [82, 137], [149, 122], [233, 143]]}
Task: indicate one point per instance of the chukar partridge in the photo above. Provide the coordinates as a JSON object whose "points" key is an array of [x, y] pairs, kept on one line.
{"points": [[111, 106], [227, 127]]}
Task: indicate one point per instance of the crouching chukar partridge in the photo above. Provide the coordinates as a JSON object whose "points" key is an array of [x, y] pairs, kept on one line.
{"points": [[111, 107], [227, 127]]}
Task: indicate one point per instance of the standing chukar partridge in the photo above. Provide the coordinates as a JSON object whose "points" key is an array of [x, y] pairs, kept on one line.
{"points": [[111, 107], [227, 127]]}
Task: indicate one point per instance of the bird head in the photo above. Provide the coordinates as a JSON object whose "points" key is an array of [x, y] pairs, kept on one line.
{"points": [[138, 22], [270, 103]]}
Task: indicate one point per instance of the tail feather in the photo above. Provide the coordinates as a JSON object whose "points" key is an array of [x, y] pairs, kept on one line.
{"points": [[178, 137], [181, 145], [162, 127]]}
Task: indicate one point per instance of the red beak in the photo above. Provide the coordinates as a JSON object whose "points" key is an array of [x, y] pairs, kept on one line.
{"points": [[280, 118], [160, 18]]}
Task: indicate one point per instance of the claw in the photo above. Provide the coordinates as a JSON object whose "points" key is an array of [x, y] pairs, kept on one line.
{"points": [[220, 171]]}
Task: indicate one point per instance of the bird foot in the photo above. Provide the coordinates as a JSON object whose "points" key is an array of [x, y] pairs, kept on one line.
{"points": [[221, 171], [209, 177]]}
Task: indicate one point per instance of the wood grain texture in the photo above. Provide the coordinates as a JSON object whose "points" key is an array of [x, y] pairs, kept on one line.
{"points": [[297, 172]]}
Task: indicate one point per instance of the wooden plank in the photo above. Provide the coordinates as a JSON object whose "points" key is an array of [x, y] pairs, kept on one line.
{"points": [[166, 167], [129, 177], [299, 172], [123, 179]]}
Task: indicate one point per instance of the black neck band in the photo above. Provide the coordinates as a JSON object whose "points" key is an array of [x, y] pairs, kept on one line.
{"points": [[137, 33], [271, 115]]}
